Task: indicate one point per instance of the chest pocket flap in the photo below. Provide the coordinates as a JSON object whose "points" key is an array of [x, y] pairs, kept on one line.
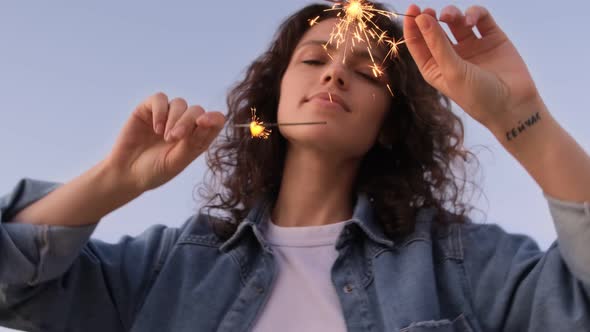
{"points": [[459, 324]]}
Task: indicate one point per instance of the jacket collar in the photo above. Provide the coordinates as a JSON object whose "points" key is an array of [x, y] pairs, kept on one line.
{"points": [[362, 218]]}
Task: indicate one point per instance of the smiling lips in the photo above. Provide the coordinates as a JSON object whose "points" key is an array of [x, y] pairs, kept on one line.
{"points": [[329, 99]]}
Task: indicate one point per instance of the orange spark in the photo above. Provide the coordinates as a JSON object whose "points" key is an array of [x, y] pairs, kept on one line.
{"points": [[393, 47], [389, 88], [257, 128], [314, 21]]}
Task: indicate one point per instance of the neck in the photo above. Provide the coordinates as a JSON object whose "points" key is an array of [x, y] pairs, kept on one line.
{"points": [[315, 190]]}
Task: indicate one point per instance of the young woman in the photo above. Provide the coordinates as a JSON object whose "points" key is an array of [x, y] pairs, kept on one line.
{"points": [[353, 225]]}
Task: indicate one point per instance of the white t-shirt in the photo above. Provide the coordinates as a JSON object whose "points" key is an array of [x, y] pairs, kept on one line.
{"points": [[303, 297]]}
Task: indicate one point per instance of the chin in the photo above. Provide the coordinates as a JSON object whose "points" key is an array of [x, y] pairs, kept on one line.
{"points": [[309, 134], [326, 142]]}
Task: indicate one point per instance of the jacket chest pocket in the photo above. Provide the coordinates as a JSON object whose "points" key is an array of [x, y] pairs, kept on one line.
{"points": [[459, 324]]}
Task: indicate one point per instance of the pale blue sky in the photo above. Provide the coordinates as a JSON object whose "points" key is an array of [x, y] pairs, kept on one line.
{"points": [[71, 73]]}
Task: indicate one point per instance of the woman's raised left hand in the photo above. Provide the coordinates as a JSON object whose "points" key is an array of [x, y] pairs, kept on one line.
{"points": [[485, 76]]}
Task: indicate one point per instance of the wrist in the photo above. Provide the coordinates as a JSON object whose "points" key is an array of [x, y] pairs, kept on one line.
{"points": [[112, 183], [520, 122]]}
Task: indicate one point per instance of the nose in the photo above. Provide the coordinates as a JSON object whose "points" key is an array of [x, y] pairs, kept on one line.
{"points": [[335, 74]]}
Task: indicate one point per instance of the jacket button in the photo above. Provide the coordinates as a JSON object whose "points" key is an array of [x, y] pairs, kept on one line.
{"points": [[347, 288]]}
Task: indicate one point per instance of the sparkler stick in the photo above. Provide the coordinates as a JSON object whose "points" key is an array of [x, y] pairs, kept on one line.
{"points": [[395, 14], [414, 16], [266, 125], [259, 129]]}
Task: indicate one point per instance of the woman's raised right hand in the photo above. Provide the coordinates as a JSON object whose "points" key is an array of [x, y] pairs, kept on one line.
{"points": [[159, 140]]}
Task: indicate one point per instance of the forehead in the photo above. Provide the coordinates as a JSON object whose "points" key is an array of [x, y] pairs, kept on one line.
{"points": [[320, 30], [323, 30]]}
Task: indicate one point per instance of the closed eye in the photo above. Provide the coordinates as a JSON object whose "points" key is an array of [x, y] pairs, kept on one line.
{"points": [[313, 62], [368, 77]]}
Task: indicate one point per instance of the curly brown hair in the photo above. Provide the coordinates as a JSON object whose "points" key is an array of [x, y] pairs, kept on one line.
{"points": [[412, 164]]}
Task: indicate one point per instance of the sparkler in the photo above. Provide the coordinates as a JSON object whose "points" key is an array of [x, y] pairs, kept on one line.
{"points": [[259, 129], [356, 20]]}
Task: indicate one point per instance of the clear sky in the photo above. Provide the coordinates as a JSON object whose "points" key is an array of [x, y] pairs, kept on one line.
{"points": [[72, 72]]}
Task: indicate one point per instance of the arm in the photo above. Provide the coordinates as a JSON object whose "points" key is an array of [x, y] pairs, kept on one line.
{"points": [[549, 154], [140, 161], [514, 286], [490, 81], [53, 278], [82, 201]]}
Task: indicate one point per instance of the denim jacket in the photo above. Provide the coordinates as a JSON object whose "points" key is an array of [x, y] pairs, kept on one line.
{"points": [[464, 277]]}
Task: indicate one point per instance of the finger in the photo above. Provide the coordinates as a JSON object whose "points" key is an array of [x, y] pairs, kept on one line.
{"points": [[456, 22], [158, 106], [199, 140], [211, 120], [186, 123], [439, 45], [150, 109], [414, 39], [429, 11], [176, 108], [483, 20], [208, 127], [432, 12]]}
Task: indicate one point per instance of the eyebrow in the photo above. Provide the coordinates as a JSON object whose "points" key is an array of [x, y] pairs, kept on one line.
{"points": [[362, 53]]}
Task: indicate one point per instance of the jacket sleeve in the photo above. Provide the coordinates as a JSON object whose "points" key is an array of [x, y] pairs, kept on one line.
{"points": [[55, 278], [517, 287]]}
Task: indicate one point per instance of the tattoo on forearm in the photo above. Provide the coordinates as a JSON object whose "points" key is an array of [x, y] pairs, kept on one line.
{"points": [[514, 132]]}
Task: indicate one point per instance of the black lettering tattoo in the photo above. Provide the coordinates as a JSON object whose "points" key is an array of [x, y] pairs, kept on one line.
{"points": [[521, 127]]}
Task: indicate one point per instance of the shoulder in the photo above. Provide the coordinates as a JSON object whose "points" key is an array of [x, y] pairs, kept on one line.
{"points": [[160, 239], [492, 237], [202, 229], [473, 240]]}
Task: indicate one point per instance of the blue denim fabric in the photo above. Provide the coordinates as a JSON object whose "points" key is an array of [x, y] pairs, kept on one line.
{"points": [[466, 277]]}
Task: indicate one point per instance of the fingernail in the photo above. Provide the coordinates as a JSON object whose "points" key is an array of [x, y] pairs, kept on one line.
{"points": [[177, 132], [423, 22], [159, 128], [469, 20]]}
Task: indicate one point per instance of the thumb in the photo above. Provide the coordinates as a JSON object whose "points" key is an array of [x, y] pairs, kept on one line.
{"points": [[439, 45]]}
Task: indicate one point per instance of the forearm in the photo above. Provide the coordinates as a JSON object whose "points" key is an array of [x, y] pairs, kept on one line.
{"points": [[82, 201], [549, 154]]}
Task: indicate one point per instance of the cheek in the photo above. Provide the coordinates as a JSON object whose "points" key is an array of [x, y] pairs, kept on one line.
{"points": [[373, 119], [283, 105], [290, 96], [376, 104]]}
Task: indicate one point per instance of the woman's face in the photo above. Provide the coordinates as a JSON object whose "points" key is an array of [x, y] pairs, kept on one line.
{"points": [[319, 86]]}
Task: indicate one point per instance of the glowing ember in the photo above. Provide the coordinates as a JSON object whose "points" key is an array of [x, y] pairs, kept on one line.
{"points": [[354, 10], [257, 128]]}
